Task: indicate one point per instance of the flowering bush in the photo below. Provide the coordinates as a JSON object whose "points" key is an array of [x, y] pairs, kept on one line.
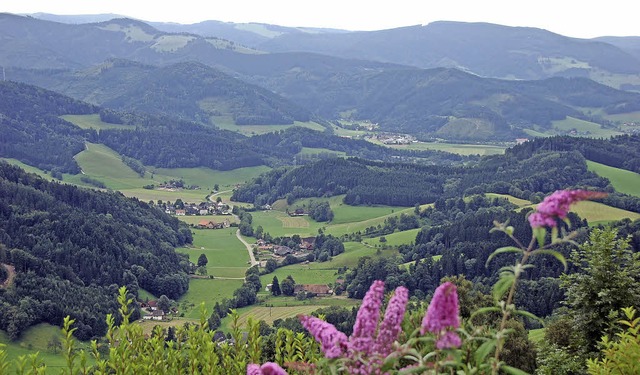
{"points": [[440, 344]]}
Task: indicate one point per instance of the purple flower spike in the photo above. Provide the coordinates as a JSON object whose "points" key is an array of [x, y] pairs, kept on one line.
{"points": [[390, 326], [364, 329], [268, 368], [448, 340], [557, 205], [442, 313], [253, 369], [333, 341]]}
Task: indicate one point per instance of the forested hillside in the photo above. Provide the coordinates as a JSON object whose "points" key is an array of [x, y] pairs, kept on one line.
{"points": [[366, 182], [620, 152], [73, 247], [177, 90], [32, 131]]}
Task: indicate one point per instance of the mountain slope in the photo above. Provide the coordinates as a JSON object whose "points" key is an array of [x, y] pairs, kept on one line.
{"points": [[449, 103], [188, 90], [72, 247], [484, 49]]}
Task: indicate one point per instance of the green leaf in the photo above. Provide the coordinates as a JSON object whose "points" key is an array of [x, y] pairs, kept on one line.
{"points": [[512, 370], [554, 253], [506, 249], [502, 285], [484, 350], [540, 234], [413, 370]]}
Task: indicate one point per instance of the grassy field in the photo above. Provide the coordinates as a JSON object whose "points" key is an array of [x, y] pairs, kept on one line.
{"points": [[316, 151], [102, 163], [227, 256], [343, 213], [622, 180], [456, 148], [208, 291], [590, 128], [194, 220], [269, 314], [36, 339], [226, 122], [597, 213], [517, 201], [94, 122], [406, 237]]}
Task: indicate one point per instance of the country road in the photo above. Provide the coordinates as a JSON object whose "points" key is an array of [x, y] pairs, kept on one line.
{"points": [[249, 249]]}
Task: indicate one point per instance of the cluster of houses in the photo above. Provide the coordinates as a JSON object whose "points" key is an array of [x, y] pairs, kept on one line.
{"points": [[395, 139], [212, 224], [152, 311], [195, 209], [320, 290], [174, 185], [307, 244]]}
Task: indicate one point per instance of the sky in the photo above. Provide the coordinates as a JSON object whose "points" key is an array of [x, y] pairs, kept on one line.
{"points": [[574, 18]]}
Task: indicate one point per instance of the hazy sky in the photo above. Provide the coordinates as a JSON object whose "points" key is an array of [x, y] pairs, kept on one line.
{"points": [[576, 18]]}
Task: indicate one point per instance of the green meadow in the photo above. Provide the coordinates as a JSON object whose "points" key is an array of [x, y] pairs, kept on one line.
{"points": [[622, 180], [208, 291], [94, 122], [590, 128], [226, 255], [226, 122], [597, 213], [406, 237], [104, 164], [36, 339], [455, 148], [517, 201]]}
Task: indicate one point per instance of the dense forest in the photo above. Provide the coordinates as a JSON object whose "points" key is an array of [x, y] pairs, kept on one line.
{"points": [[620, 152], [33, 133], [72, 248], [367, 182]]}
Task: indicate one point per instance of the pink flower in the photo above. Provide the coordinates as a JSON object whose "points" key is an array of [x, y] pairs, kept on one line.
{"points": [[390, 326], [364, 329], [268, 368], [369, 344], [333, 341], [442, 316], [557, 205]]}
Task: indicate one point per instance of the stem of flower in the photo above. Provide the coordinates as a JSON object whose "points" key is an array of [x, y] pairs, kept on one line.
{"points": [[512, 291]]}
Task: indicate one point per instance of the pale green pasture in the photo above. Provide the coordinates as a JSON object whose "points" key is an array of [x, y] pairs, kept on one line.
{"points": [[592, 129], [596, 212], [222, 248], [344, 213], [226, 122], [273, 222], [208, 291], [346, 228], [94, 122], [316, 151], [622, 180], [406, 237], [36, 339], [456, 148], [206, 178], [517, 201], [356, 250], [624, 117]]}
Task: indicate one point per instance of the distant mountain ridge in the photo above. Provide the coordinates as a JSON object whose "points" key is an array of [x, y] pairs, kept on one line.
{"points": [[481, 48]]}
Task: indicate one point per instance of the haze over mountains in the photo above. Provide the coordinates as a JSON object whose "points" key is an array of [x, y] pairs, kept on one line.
{"points": [[429, 81]]}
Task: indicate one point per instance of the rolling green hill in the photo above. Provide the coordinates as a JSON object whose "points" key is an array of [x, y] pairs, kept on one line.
{"points": [[622, 180]]}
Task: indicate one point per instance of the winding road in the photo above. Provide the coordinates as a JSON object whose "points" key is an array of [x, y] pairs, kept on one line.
{"points": [[254, 262]]}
